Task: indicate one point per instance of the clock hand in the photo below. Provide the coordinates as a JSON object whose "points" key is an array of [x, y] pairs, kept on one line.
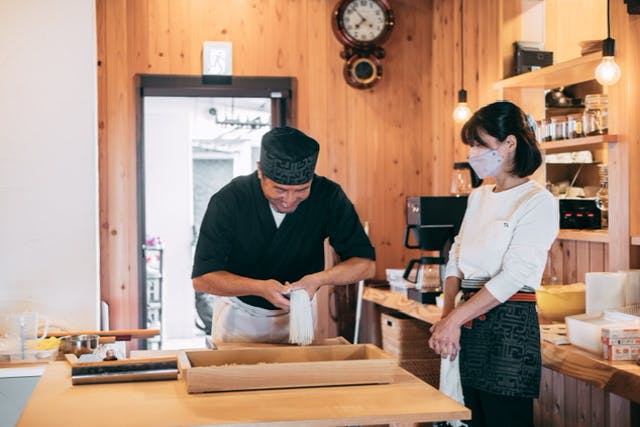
{"points": [[360, 15]]}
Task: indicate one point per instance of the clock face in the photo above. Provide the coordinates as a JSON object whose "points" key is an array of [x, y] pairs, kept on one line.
{"points": [[364, 20]]}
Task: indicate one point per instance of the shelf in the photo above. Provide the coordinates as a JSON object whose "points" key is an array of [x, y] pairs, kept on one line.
{"points": [[562, 74], [598, 236], [635, 240], [576, 144]]}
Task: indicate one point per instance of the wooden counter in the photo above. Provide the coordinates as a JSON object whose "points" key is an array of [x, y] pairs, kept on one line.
{"points": [[55, 402], [577, 387], [619, 377], [383, 296]]}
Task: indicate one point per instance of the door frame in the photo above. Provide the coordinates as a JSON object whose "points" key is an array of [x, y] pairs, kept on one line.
{"points": [[278, 89]]}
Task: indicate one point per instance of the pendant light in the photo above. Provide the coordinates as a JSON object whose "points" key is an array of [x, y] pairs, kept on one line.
{"points": [[607, 71], [462, 112]]}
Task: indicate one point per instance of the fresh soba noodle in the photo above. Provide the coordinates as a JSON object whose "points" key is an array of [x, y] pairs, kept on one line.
{"points": [[300, 318]]}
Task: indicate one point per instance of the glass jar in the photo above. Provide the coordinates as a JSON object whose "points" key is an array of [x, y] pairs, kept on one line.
{"points": [[574, 126], [558, 128], [545, 134], [595, 120], [539, 131]]}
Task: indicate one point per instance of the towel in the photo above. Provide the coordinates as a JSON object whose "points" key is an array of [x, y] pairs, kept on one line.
{"points": [[450, 384]]}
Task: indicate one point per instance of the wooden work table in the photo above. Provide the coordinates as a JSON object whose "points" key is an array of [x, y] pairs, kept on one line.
{"points": [[619, 377], [56, 402]]}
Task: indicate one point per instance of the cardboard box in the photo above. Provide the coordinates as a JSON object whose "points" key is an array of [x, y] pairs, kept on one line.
{"points": [[613, 332], [285, 367], [620, 352], [621, 341]]}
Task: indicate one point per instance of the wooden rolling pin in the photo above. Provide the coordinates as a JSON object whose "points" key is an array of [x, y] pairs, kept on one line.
{"points": [[119, 334]]}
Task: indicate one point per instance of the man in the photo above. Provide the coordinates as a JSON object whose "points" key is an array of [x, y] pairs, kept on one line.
{"points": [[263, 234]]}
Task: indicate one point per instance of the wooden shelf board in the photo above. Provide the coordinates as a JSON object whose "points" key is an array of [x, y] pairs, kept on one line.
{"points": [[562, 74], [635, 240], [576, 143], [601, 236]]}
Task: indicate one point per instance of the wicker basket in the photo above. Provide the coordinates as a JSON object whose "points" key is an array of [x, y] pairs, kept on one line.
{"points": [[428, 370], [405, 337]]}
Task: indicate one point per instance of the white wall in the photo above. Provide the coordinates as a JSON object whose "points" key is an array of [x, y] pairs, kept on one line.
{"points": [[48, 160]]}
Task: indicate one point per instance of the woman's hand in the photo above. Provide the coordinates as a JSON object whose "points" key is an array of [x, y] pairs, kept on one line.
{"points": [[445, 338]]}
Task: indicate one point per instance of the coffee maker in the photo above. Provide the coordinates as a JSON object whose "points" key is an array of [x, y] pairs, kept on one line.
{"points": [[432, 223]]}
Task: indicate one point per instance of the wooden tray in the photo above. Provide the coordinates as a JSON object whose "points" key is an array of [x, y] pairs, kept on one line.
{"points": [[285, 367]]}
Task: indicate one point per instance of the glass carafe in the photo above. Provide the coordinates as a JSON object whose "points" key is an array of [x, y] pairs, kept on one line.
{"points": [[461, 179], [602, 196]]}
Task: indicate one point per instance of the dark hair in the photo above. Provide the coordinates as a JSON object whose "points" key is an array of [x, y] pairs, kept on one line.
{"points": [[501, 119]]}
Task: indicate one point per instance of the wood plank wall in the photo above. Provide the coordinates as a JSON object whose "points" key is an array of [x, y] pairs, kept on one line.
{"points": [[383, 144]]}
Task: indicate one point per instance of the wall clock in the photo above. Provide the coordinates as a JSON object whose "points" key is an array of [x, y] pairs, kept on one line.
{"points": [[362, 26]]}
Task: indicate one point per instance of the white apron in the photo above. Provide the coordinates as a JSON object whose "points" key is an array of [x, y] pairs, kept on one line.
{"points": [[236, 321]]}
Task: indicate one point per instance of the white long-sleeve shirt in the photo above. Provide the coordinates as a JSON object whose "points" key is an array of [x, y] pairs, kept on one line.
{"points": [[505, 238]]}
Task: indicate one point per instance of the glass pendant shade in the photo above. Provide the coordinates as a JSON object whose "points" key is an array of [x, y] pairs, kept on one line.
{"points": [[462, 112], [608, 71]]}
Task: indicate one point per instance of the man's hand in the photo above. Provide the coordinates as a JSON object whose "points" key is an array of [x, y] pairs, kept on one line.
{"points": [[311, 283], [274, 291]]}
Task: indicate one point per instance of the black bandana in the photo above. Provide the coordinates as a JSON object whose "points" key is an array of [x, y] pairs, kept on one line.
{"points": [[288, 156]]}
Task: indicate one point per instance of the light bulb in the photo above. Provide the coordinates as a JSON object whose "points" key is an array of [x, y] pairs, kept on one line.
{"points": [[608, 71], [461, 113]]}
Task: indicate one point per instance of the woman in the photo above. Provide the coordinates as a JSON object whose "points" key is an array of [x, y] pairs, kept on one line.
{"points": [[497, 260]]}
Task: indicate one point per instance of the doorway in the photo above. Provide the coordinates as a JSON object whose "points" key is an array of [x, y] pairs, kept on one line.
{"points": [[194, 137]]}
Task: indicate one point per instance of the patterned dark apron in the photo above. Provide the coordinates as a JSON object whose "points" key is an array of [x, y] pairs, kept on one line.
{"points": [[500, 351]]}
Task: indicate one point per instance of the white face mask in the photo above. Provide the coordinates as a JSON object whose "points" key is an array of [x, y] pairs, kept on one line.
{"points": [[485, 162]]}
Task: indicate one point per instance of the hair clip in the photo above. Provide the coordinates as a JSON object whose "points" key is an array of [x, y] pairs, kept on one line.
{"points": [[531, 122]]}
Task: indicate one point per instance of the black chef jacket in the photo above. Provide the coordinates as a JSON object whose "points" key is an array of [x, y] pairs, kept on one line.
{"points": [[239, 234]]}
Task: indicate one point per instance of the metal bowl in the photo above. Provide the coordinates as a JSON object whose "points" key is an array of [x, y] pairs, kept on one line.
{"points": [[79, 344]]}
